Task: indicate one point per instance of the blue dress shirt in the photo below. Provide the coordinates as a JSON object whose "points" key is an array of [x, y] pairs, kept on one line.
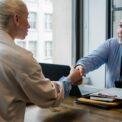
{"points": [[109, 53]]}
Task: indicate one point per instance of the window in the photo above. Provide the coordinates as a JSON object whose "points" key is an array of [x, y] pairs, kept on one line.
{"points": [[48, 22], [116, 16], [51, 31], [32, 19], [32, 46], [48, 49]]}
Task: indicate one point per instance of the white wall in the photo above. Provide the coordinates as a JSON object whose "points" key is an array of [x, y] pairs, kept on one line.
{"points": [[62, 31], [95, 34]]}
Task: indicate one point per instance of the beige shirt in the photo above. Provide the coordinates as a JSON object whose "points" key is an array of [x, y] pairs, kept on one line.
{"points": [[22, 81]]}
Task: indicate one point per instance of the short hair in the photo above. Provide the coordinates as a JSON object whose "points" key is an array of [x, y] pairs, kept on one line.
{"points": [[9, 8]]}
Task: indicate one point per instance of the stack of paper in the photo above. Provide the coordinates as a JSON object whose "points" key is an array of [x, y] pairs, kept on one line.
{"points": [[110, 95], [103, 97]]}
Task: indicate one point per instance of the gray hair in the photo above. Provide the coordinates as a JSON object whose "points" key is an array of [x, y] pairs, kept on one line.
{"points": [[9, 8]]}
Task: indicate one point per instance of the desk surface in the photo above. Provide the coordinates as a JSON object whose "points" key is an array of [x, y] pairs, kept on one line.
{"points": [[69, 111]]}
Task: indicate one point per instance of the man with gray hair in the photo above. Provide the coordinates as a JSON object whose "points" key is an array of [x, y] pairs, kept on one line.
{"points": [[108, 53], [21, 77]]}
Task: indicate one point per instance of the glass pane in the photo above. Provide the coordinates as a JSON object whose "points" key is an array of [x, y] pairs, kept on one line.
{"points": [[117, 3], [117, 15], [32, 47], [32, 19], [48, 22], [48, 49], [117, 18]]}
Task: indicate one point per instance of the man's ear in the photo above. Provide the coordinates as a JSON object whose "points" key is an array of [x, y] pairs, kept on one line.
{"points": [[16, 19]]}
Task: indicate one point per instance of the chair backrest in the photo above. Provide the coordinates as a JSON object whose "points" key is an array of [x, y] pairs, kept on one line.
{"points": [[55, 71]]}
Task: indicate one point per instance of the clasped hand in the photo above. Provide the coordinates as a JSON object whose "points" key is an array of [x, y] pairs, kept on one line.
{"points": [[76, 76]]}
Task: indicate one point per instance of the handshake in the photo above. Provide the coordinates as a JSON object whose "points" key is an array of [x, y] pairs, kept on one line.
{"points": [[76, 75]]}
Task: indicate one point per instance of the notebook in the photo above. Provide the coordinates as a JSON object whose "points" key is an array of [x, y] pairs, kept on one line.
{"points": [[96, 103], [116, 92]]}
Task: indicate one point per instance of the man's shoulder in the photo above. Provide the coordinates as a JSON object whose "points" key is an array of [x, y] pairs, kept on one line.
{"points": [[113, 41]]}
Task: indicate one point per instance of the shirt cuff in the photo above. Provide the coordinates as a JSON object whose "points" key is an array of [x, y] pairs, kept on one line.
{"points": [[67, 85]]}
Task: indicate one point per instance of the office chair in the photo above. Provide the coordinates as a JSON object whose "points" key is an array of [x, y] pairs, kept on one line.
{"points": [[55, 71]]}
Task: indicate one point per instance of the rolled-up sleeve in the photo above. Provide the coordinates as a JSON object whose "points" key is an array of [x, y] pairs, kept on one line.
{"points": [[96, 58], [66, 84]]}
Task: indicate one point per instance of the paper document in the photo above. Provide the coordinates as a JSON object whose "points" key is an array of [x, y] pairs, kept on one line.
{"points": [[109, 93], [103, 97], [87, 89]]}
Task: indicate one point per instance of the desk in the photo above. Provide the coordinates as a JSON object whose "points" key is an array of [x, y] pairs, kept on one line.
{"points": [[69, 111]]}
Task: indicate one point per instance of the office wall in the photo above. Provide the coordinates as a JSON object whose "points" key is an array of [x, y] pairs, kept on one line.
{"points": [[62, 31], [95, 34]]}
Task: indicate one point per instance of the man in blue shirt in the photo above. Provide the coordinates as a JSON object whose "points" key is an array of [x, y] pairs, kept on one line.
{"points": [[108, 53]]}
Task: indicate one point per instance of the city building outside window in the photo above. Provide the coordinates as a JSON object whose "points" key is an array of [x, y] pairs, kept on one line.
{"points": [[48, 49], [48, 22], [45, 19], [32, 46], [32, 19]]}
